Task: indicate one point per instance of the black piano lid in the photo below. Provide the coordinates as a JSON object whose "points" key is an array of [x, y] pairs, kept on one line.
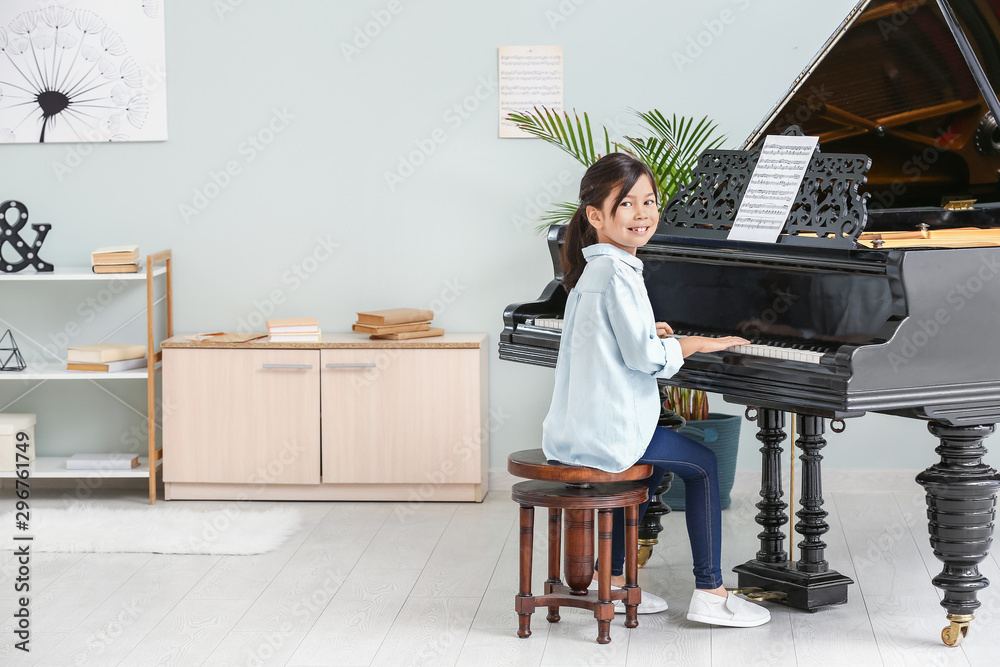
{"points": [[892, 83]]}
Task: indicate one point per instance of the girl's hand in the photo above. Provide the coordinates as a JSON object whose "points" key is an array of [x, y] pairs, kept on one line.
{"points": [[693, 344], [663, 329]]}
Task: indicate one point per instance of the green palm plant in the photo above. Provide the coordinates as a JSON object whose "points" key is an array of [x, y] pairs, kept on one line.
{"points": [[671, 151], [671, 148]]}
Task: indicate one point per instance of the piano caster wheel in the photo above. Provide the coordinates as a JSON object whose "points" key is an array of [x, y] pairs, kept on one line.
{"points": [[759, 594], [645, 551], [958, 630]]}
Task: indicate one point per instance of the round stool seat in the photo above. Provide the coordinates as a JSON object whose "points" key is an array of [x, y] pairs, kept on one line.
{"points": [[532, 464], [601, 495]]}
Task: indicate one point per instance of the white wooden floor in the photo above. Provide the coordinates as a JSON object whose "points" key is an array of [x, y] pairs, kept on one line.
{"points": [[390, 584]]}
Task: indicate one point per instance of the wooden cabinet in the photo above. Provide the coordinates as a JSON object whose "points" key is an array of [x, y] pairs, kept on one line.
{"points": [[344, 419], [242, 416], [409, 416]]}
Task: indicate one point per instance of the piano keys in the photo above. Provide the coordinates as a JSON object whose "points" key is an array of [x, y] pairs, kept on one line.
{"points": [[789, 351], [882, 293]]}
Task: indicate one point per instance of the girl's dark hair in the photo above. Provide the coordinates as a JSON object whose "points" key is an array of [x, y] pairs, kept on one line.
{"points": [[615, 170]]}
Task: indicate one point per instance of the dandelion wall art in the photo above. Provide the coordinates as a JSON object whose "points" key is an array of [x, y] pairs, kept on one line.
{"points": [[82, 71]]}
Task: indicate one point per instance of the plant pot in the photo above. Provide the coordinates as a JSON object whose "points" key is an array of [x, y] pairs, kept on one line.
{"points": [[671, 419], [721, 434]]}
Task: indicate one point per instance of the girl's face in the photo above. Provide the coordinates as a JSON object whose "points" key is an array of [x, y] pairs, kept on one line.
{"points": [[632, 225]]}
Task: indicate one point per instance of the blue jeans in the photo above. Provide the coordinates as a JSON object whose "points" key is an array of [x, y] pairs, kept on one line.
{"points": [[695, 464]]}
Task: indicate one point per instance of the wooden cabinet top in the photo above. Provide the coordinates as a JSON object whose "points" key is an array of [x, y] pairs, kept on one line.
{"points": [[338, 341]]}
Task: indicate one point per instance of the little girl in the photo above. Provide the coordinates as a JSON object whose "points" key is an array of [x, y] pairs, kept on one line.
{"points": [[606, 402]]}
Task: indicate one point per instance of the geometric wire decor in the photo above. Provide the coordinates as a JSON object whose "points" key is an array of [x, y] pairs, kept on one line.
{"points": [[10, 356]]}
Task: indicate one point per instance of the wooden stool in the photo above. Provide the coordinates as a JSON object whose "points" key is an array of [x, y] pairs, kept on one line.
{"points": [[579, 491]]}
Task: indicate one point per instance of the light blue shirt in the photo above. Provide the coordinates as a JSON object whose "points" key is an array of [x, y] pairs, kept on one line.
{"points": [[606, 402]]}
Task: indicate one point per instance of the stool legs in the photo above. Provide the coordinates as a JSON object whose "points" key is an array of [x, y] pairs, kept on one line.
{"points": [[571, 526], [524, 588], [579, 550], [604, 612], [631, 566], [555, 554]]}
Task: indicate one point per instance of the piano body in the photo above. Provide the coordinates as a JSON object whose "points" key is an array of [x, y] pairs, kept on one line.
{"points": [[882, 294]]}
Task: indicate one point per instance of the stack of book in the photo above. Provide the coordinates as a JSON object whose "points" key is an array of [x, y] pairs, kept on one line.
{"points": [[112, 461], [303, 329], [106, 357], [397, 324], [116, 259]]}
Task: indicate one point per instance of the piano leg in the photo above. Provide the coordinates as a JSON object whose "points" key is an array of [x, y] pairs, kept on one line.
{"points": [[810, 584], [961, 499], [650, 526], [823, 585], [772, 515], [812, 523]]}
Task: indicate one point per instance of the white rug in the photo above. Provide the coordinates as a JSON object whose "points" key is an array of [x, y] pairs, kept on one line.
{"points": [[85, 527]]}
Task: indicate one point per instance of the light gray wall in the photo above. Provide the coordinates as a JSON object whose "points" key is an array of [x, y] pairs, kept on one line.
{"points": [[447, 237]]}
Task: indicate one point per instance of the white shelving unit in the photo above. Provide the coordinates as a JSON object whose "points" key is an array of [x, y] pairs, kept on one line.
{"points": [[59, 372], [78, 273], [51, 467]]}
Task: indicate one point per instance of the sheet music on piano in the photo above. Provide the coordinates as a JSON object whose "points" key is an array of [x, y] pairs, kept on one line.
{"points": [[772, 189]]}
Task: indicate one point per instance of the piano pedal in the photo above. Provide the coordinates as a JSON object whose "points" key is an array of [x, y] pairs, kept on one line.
{"points": [[958, 630], [759, 594]]}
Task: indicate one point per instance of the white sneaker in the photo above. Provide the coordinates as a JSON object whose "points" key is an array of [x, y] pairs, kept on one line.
{"points": [[651, 604], [732, 611]]}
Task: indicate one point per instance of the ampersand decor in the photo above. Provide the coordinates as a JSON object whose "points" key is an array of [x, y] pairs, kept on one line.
{"points": [[10, 235]]}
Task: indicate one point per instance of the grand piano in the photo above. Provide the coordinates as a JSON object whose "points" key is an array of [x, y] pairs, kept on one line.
{"points": [[881, 294]]}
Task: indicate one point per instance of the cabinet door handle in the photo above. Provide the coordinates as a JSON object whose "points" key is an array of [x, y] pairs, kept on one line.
{"points": [[350, 365], [294, 367]]}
